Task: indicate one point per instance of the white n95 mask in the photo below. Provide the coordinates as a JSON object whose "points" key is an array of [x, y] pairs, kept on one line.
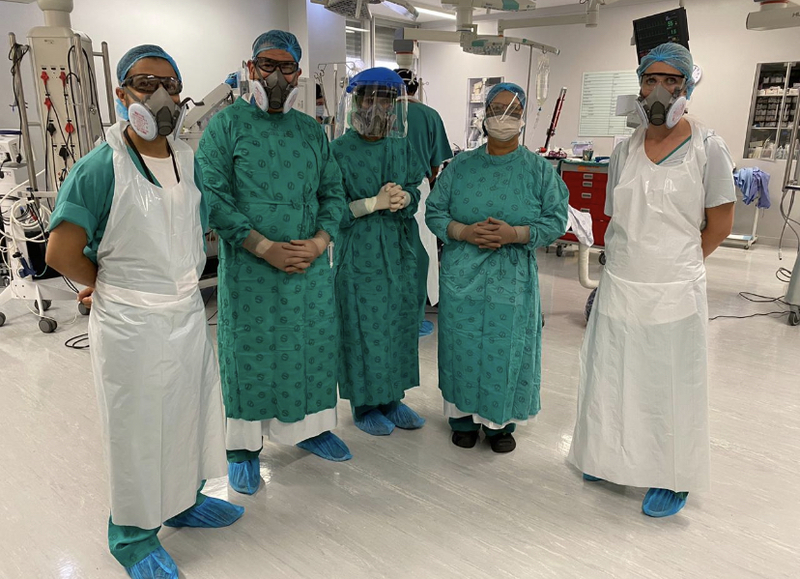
{"points": [[504, 128]]}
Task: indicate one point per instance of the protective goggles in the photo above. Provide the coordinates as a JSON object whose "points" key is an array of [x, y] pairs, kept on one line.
{"points": [[382, 97], [148, 83], [671, 82], [512, 110], [268, 65]]}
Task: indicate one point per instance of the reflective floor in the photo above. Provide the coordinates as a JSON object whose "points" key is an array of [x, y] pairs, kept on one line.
{"points": [[412, 504]]}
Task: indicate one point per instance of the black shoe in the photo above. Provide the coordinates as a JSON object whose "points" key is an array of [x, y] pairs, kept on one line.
{"points": [[502, 442], [465, 439]]}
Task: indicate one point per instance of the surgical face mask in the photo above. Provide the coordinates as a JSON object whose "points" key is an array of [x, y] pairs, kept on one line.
{"points": [[321, 111], [374, 121], [661, 107], [504, 128], [154, 116], [274, 92]]}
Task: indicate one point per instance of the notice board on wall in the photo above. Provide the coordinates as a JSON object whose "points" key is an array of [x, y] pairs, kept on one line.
{"points": [[599, 102]]}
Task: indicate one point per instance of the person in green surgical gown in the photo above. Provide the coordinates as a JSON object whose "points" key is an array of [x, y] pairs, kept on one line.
{"points": [[276, 201], [378, 256], [428, 139], [493, 207]]}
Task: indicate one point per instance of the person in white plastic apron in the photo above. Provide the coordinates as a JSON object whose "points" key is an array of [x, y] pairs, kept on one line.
{"points": [[643, 395], [135, 209]]}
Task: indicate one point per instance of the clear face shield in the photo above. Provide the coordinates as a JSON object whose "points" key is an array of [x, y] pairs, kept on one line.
{"points": [[661, 101], [505, 116], [374, 111]]}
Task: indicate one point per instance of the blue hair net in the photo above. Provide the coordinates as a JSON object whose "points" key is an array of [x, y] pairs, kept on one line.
{"points": [[675, 55], [278, 39], [137, 53], [376, 76], [506, 86]]}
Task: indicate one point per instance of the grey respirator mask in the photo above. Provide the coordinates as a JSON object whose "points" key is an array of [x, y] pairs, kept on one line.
{"points": [[660, 107], [157, 115], [274, 92], [372, 122]]}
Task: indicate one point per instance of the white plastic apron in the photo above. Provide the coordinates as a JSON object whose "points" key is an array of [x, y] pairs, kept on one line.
{"points": [[428, 240], [154, 365], [643, 396]]}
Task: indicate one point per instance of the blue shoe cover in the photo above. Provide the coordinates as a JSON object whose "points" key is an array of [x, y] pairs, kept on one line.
{"points": [[663, 502], [425, 329], [210, 514], [590, 478], [244, 477], [403, 417], [328, 446], [157, 565], [374, 423]]}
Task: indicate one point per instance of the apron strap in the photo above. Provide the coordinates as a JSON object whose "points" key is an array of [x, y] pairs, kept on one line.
{"points": [[147, 172]]}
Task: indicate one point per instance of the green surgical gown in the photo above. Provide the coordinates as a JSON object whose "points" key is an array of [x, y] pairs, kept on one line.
{"points": [[377, 264], [490, 318], [277, 333], [427, 136]]}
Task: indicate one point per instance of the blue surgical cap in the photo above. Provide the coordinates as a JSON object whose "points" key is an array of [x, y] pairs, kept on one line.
{"points": [[137, 53], [675, 55], [506, 86], [280, 40], [376, 76]]}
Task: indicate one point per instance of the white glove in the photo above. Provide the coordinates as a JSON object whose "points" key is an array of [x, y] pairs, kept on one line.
{"points": [[381, 201], [399, 200], [385, 196], [257, 244]]}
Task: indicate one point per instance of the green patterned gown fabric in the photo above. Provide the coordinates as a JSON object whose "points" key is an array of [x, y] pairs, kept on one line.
{"points": [[277, 333], [490, 319], [377, 264]]}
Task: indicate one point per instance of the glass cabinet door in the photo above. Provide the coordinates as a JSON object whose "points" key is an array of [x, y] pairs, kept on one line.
{"points": [[773, 109]]}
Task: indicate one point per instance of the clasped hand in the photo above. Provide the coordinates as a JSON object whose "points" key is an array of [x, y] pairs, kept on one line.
{"points": [[391, 197], [490, 234], [295, 256]]}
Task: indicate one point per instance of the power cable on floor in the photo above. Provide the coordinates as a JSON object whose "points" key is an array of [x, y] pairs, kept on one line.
{"points": [[79, 342], [758, 299]]}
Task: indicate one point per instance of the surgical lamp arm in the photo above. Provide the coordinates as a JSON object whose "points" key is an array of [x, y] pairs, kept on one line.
{"points": [[589, 18], [424, 35], [533, 44], [503, 25]]}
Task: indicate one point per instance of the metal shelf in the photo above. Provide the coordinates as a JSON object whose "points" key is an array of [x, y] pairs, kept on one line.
{"points": [[783, 106], [472, 137]]}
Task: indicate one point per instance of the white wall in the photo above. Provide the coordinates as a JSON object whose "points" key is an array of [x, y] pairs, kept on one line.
{"points": [[326, 43], [298, 18], [720, 43], [326, 37], [207, 38]]}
